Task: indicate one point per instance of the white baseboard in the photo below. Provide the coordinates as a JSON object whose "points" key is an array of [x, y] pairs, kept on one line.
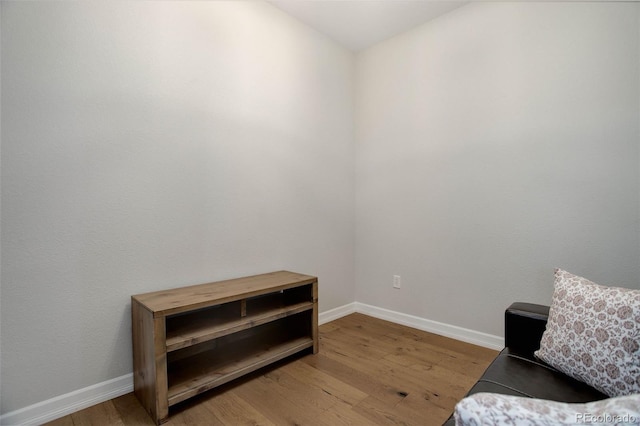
{"points": [[464, 334], [339, 312], [71, 402], [63, 405]]}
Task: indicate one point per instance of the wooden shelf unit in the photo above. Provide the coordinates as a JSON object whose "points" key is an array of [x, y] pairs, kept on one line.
{"points": [[189, 340]]}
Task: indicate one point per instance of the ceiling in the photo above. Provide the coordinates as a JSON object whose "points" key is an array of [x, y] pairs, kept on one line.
{"points": [[358, 24]]}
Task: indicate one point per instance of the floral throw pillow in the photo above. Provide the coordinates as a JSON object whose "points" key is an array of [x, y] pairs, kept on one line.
{"points": [[593, 334], [489, 409]]}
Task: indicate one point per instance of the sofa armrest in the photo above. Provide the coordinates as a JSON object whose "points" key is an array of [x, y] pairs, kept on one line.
{"points": [[524, 324]]}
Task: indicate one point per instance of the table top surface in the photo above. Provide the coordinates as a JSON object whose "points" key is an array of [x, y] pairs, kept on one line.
{"points": [[165, 302]]}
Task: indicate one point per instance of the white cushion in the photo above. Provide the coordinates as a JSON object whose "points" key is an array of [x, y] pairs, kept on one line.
{"points": [[593, 334], [488, 409]]}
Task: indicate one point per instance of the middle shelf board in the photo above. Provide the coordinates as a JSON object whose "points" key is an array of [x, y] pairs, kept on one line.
{"points": [[192, 329]]}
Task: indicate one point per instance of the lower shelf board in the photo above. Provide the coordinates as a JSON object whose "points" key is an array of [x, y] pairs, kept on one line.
{"points": [[207, 370]]}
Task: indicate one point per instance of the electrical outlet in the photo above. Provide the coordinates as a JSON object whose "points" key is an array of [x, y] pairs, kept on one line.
{"points": [[396, 281]]}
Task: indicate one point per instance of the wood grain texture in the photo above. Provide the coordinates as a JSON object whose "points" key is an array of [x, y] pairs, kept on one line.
{"points": [[200, 328], [314, 319], [149, 360], [189, 340], [367, 372], [183, 299]]}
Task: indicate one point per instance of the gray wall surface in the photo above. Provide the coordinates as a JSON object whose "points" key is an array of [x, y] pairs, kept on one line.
{"points": [[149, 145], [494, 144]]}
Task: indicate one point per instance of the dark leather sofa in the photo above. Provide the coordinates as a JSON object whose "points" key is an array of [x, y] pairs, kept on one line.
{"points": [[515, 371]]}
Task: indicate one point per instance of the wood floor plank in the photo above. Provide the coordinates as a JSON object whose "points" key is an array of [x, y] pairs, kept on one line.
{"points": [[443, 381], [383, 413], [399, 382], [98, 415], [367, 372], [278, 403], [411, 410], [358, 346], [387, 329], [311, 376], [365, 381], [424, 384], [193, 414], [233, 410], [344, 414], [415, 405], [410, 352], [63, 421], [131, 412], [298, 392]]}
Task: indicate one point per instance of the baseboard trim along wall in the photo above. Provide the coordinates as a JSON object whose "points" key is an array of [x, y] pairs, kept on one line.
{"points": [[71, 402], [334, 314], [464, 334]]}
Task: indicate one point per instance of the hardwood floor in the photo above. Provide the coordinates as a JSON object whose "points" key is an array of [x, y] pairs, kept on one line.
{"points": [[367, 372]]}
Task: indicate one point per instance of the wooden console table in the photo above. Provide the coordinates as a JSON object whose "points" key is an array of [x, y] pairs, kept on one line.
{"points": [[189, 340]]}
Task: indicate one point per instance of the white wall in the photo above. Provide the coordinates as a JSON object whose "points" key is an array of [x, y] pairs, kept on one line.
{"points": [[494, 144], [149, 145]]}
